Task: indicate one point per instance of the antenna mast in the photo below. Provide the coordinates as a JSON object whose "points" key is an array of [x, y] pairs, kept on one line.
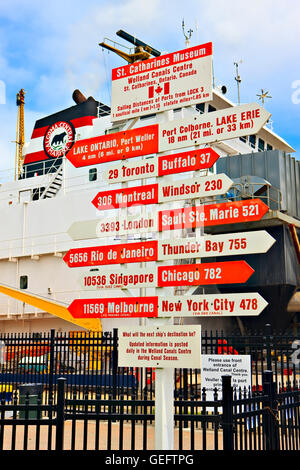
{"points": [[238, 79], [187, 34]]}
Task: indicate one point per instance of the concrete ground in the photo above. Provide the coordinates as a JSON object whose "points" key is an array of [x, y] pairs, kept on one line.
{"points": [[115, 428]]}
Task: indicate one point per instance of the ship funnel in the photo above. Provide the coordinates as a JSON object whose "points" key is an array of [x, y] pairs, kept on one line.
{"points": [[78, 97]]}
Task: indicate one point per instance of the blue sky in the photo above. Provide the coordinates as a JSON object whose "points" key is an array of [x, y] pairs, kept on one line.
{"points": [[51, 49]]}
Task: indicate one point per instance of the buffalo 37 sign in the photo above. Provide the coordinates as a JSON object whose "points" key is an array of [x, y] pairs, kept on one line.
{"points": [[170, 81]]}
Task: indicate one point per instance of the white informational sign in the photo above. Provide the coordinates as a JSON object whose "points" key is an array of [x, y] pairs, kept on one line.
{"points": [[166, 82], [160, 346], [214, 366], [129, 171], [216, 126], [239, 243], [193, 188], [118, 278], [211, 305], [114, 226]]}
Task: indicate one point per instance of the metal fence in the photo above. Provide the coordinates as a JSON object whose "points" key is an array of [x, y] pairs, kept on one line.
{"points": [[83, 400], [89, 361]]}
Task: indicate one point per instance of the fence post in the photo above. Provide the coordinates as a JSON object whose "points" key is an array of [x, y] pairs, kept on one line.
{"points": [[270, 417], [51, 362], [227, 416], [268, 332], [60, 414]]}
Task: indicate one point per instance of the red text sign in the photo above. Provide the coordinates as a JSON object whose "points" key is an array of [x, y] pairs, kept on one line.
{"points": [[212, 214], [119, 307], [112, 254], [187, 161], [228, 272], [116, 146], [127, 197]]}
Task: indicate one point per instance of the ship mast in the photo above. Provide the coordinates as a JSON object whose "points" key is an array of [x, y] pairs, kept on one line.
{"points": [[20, 139]]}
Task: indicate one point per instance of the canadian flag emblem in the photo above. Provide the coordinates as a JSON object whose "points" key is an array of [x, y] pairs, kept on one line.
{"points": [[157, 89]]}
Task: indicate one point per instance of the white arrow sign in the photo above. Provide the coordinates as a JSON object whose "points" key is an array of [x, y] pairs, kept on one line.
{"points": [[114, 226], [212, 305], [212, 127], [193, 188], [227, 244]]}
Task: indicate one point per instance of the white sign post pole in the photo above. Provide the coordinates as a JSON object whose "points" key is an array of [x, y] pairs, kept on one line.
{"points": [[164, 377]]}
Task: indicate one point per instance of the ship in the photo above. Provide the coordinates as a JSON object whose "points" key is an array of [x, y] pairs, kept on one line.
{"points": [[50, 195]]}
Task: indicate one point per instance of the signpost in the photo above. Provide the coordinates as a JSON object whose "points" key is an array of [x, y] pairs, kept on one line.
{"points": [[228, 123], [259, 241], [116, 146], [247, 210], [170, 81], [155, 85], [163, 165], [204, 305], [192, 188]]}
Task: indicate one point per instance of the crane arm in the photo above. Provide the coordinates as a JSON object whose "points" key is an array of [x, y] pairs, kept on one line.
{"points": [[50, 306]]}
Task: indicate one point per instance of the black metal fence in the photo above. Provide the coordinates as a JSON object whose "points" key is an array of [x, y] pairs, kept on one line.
{"points": [[83, 400]]}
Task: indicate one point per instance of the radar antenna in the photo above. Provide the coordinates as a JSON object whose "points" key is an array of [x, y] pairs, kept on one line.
{"points": [[141, 51], [187, 34]]}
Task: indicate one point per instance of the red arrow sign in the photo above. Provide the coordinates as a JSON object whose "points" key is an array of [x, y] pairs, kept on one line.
{"points": [[127, 197], [116, 146], [212, 214], [112, 254], [228, 272], [187, 161], [118, 307]]}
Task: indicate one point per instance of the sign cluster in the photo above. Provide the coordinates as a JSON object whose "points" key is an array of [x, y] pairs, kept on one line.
{"points": [[175, 80]]}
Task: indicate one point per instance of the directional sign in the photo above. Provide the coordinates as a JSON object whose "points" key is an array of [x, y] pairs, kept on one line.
{"points": [[206, 305], [115, 146], [192, 188], [114, 226], [231, 244], [160, 346], [247, 210], [112, 254], [170, 81], [228, 123], [228, 244], [161, 166], [229, 272], [118, 278], [119, 307], [212, 305]]}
